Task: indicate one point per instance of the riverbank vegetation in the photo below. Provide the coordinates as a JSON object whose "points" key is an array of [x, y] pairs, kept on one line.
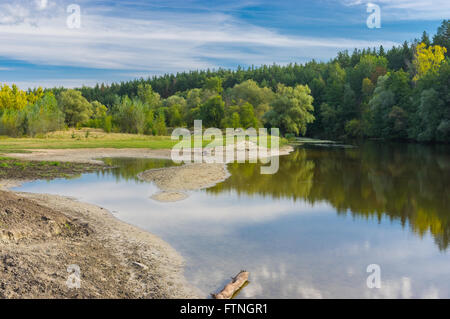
{"points": [[401, 93], [16, 169], [97, 138], [84, 138]]}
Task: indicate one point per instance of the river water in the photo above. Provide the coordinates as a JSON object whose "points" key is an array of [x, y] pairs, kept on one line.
{"points": [[309, 231]]}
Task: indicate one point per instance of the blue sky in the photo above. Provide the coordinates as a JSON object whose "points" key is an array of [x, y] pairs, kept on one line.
{"points": [[122, 40]]}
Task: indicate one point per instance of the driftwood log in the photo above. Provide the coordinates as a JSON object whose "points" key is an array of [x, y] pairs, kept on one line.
{"points": [[230, 289]]}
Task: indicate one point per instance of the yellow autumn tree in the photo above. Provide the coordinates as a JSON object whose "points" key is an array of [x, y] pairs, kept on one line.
{"points": [[428, 59], [12, 98], [35, 95], [15, 99]]}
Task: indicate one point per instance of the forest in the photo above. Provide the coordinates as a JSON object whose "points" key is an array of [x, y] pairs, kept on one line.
{"points": [[401, 93]]}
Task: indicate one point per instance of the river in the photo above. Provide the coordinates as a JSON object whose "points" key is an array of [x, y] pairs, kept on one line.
{"points": [[309, 231]]}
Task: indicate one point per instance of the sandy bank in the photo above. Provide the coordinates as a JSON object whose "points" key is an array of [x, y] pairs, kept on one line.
{"points": [[41, 235], [175, 181], [89, 155], [92, 155], [6, 184]]}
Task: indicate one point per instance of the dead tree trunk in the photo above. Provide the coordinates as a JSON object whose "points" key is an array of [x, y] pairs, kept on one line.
{"points": [[230, 289]]}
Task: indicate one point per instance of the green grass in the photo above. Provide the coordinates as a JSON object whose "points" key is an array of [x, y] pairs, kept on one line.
{"points": [[11, 168], [54, 163], [11, 145], [20, 164], [8, 162], [65, 140], [15, 151]]}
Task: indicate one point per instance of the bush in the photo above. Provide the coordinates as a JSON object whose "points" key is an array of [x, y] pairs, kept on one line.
{"points": [[353, 128], [130, 115], [43, 116], [107, 125], [77, 109], [289, 136], [10, 123], [159, 125]]}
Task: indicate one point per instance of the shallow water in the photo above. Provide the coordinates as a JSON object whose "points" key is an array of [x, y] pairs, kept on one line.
{"points": [[309, 231]]}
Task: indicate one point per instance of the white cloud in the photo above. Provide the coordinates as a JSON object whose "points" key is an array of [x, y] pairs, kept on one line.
{"points": [[392, 289], [49, 83], [430, 293], [27, 11], [271, 275], [13, 14], [408, 9], [42, 4], [158, 43]]}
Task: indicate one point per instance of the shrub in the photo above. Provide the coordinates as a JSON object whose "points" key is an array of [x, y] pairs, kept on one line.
{"points": [[130, 115], [10, 123], [43, 116]]}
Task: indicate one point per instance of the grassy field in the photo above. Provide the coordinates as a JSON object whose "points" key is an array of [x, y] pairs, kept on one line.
{"points": [[85, 139], [88, 138]]}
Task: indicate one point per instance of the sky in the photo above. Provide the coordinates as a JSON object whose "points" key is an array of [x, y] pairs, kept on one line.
{"points": [[42, 43]]}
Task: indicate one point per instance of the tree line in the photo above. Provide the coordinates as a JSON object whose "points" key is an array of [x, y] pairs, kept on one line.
{"points": [[400, 93]]}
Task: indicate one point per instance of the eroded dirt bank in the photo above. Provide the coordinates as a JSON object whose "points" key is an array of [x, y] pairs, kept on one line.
{"points": [[41, 235]]}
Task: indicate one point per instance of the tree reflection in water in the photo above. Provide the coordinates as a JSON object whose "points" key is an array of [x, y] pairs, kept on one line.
{"points": [[406, 182]]}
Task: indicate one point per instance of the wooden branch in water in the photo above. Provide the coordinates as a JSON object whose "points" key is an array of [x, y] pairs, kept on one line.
{"points": [[230, 289]]}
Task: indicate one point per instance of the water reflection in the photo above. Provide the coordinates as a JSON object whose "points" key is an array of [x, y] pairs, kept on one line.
{"points": [[405, 182], [307, 232], [128, 168]]}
